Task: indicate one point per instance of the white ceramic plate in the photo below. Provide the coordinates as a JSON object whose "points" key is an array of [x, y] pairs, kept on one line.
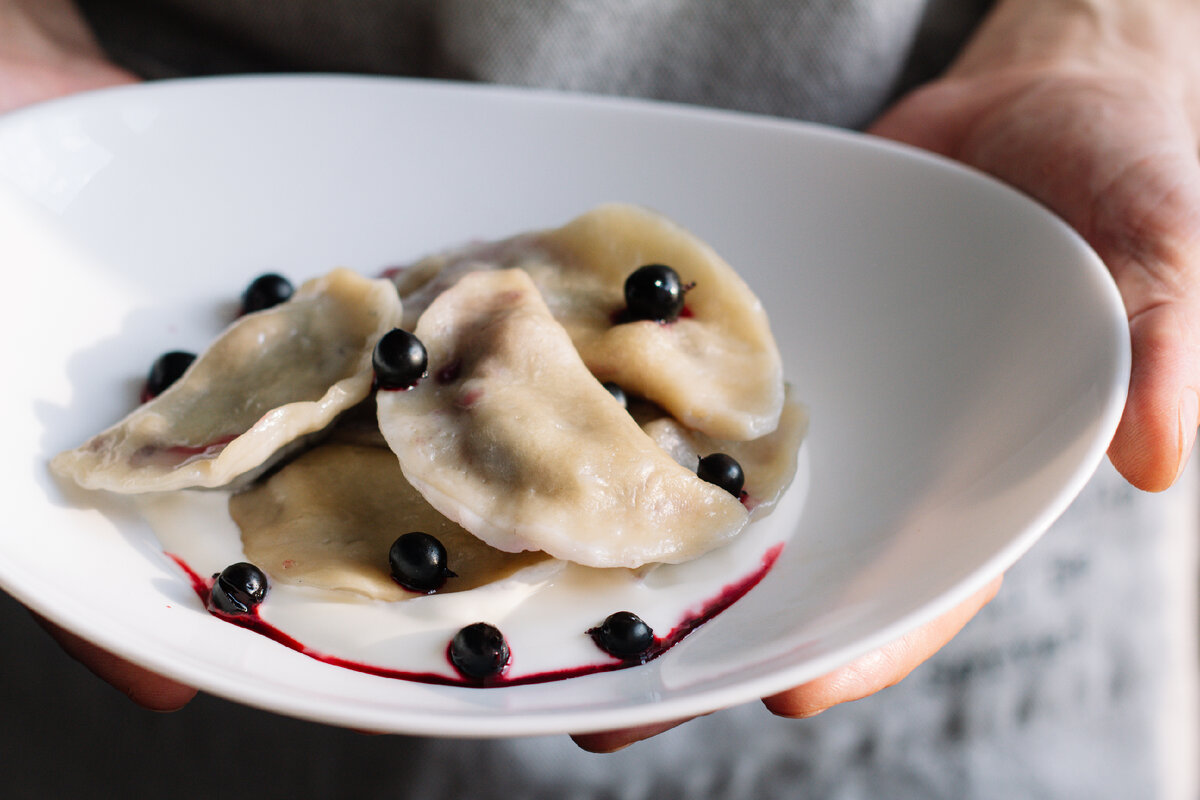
{"points": [[964, 355]]}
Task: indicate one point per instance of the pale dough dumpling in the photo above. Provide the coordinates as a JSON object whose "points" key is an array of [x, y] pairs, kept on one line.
{"points": [[270, 378], [514, 439], [328, 518], [716, 369], [769, 462]]}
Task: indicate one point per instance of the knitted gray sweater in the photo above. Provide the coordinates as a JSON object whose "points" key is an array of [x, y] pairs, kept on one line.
{"points": [[834, 61]]}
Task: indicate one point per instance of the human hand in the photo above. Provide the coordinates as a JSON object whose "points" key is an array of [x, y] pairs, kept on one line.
{"points": [[1090, 108], [1097, 119], [47, 51], [147, 689], [867, 675]]}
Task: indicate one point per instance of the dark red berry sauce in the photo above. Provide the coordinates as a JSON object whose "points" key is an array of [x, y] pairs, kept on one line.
{"points": [[179, 454], [729, 595], [450, 372]]}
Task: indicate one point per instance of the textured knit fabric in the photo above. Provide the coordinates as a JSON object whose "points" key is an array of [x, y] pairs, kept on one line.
{"points": [[834, 61]]}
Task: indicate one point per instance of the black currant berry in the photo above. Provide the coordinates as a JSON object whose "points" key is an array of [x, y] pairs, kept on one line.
{"points": [[618, 393], [418, 562], [724, 471], [239, 588], [654, 292], [479, 651], [399, 359], [266, 291], [165, 370], [624, 635]]}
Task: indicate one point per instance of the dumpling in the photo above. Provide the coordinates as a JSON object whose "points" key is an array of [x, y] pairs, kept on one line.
{"points": [[272, 377], [513, 438], [328, 518], [768, 462], [716, 369]]}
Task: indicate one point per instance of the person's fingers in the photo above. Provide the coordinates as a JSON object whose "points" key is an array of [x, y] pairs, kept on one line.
{"points": [[1158, 426], [48, 51], [881, 668], [612, 741], [25, 84], [867, 675], [1146, 227], [148, 689], [1131, 188]]}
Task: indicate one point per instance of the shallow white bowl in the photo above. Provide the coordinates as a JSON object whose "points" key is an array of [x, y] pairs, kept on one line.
{"points": [[963, 353]]}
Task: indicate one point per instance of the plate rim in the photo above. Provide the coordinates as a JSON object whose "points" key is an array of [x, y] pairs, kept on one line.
{"points": [[423, 723]]}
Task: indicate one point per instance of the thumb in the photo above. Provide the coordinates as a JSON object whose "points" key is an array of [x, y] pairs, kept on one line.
{"points": [[1146, 227], [1158, 428], [1132, 189]]}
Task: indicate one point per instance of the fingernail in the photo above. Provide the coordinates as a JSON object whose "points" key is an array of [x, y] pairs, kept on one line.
{"points": [[1189, 417]]}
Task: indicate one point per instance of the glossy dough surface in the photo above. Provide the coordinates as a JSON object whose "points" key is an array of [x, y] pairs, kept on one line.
{"points": [[272, 377], [716, 369], [513, 438], [328, 518], [769, 462]]}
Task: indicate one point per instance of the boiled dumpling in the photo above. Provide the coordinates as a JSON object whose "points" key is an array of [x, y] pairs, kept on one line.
{"points": [[769, 462], [272, 377], [513, 438], [716, 369], [328, 518]]}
